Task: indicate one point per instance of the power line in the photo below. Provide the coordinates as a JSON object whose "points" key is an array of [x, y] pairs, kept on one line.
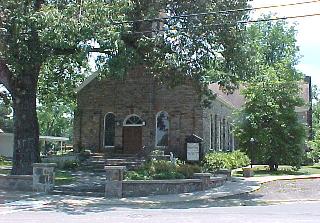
{"points": [[205, 14], [232, 23], [215, 13]]}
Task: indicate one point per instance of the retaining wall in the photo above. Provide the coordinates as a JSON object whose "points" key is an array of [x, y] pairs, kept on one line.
{"points": [[140, 188], [16, 182]]}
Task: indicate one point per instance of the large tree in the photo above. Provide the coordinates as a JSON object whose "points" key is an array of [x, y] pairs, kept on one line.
{"points": [[272, 96], [34, 34]]}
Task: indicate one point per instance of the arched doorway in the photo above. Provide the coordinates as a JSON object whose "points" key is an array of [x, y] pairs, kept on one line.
{"points": [[132, 134]]}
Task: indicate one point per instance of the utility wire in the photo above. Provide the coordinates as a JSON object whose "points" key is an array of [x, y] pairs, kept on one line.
{"points": [[210, 13], [215, 13], [230, 24]]}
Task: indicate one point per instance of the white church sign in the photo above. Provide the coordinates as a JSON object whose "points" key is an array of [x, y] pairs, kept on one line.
{"points": [[193, 151]]}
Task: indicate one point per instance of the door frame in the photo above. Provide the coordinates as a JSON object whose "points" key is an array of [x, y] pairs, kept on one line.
{"points": [[132, 120]]}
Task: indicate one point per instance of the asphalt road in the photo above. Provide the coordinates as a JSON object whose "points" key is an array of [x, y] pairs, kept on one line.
{"points": [[280, 201], [282, 213]]}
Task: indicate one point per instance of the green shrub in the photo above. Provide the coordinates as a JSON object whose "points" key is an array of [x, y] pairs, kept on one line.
{"points": [[161, 166], [168, 176], [163, 170], [220, 160], [315, 155], [4, 161], [70, 165], [241, 159], [2, 158], [187, 170], [135, 175]]}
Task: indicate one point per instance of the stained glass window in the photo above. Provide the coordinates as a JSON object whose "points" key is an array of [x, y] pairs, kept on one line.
{"points": [[162, 129], [109, 126]]}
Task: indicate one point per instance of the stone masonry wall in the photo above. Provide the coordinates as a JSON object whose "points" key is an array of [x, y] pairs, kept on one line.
{"points": [[136, 94], [20, 182]]}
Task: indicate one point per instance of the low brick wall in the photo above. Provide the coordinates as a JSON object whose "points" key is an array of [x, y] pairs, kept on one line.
{"points": [[140, 188], [16, 182]]}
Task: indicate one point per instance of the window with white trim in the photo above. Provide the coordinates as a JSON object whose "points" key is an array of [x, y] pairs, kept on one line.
{"points": [[133, 120]]}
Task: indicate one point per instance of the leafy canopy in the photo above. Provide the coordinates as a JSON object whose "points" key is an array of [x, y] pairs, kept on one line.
{"points": [[271, 97]]}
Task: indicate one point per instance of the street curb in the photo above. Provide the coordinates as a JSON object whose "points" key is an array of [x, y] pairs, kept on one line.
{"points": [[201, 195]]}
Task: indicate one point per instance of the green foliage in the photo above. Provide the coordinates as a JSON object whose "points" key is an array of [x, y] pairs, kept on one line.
{"points": [[220, 160], [6, 121], [55, 119], [308, 158], [187, 170], [70, 165], [271, 98], [51, 41], [314, 144], [163, 170], [314, 153], [4, 161]]}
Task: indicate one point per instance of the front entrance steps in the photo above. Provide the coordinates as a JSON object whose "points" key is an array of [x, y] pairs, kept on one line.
{"points": [[90, 180], [86, 184], [98, 161]]}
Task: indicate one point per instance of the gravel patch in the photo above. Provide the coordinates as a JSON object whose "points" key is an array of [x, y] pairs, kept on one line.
{"points": [[308, 189]]}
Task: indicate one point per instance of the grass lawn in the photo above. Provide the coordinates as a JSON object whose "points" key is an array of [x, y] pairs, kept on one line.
{"points": [[5, 166], [5, 163], [63, 177], [262, 170]]}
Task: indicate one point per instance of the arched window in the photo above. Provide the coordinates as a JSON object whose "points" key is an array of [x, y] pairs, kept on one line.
{"points": [[109, 129], [133, 120], [162, 129]]}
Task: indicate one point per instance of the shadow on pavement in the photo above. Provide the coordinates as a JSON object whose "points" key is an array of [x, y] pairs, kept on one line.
{"points": [[73, 205]]}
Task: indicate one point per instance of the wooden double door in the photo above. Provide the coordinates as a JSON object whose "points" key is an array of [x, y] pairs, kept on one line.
{"points": [[132, 139]]}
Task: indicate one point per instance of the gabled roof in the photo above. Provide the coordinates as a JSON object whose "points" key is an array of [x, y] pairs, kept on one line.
{"points": [[234, 100], [87, 81]]}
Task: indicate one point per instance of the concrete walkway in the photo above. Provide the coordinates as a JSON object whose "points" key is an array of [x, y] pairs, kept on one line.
{"points": [[238, 185]]}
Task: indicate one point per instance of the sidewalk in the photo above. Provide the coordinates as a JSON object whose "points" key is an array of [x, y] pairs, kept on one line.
{"points": [[238, 185]]}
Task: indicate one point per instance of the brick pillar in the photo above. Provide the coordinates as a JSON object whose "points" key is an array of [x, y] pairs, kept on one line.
{"points": [[205, 177], [43, 177], [114, 178]]}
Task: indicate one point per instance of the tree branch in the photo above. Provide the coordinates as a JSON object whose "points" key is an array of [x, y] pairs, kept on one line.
{"points": [[38, 4], [5, 75]]}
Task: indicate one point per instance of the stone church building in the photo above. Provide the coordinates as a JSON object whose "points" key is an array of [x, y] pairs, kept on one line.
{"points": [[136, 112]]}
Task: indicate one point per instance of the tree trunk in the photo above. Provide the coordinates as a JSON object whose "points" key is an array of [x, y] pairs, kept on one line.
{"points": [[26, 127]]}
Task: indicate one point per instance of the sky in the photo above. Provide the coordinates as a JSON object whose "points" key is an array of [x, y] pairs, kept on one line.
{"points": [[308, 32]]}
